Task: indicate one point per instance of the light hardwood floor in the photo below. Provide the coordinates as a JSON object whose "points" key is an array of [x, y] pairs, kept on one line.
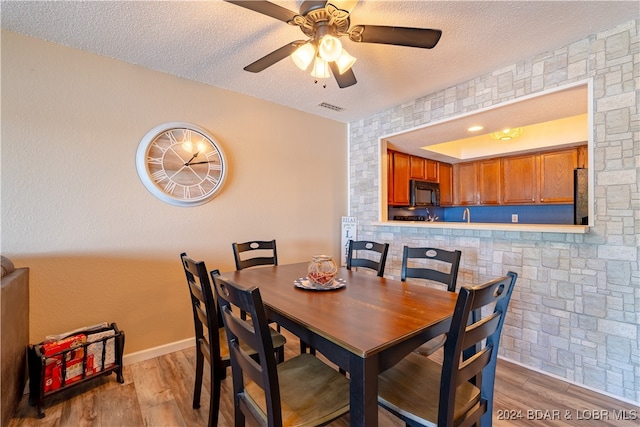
{"points": [[158, 392]]}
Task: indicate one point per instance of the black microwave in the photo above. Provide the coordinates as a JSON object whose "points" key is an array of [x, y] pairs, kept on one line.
{"points": [[423, 193]]}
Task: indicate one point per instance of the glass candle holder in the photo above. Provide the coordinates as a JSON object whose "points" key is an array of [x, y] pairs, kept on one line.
{"points": [[322, 270]]}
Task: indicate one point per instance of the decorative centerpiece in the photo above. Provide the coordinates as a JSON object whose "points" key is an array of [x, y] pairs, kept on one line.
{"points": [[322, 270]]}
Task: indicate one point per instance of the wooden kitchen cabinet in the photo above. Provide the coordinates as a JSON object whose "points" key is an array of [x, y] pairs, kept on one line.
{"points": [[583, 157], [556, 176], [445, 178], [465, 177], [430, 170], [417, 167], [424, 169], [389, 177], [519, 179], [489, 188], [400, 178]]}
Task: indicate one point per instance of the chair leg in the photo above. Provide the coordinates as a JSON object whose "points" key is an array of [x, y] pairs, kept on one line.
{"points": [[197, 388], [214, 398], [304, 346]]}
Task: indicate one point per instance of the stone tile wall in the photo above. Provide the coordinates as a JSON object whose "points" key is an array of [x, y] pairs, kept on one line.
{"points": [[576, 308]]}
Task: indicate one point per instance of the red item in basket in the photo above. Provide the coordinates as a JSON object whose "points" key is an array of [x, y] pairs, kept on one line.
{"points": [[72, 361]]}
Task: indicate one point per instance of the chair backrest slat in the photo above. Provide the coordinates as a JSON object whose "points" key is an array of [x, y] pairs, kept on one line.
{"points": [[478, 331], [242, 250], [451, 259], [380, 250], [470, 367]]}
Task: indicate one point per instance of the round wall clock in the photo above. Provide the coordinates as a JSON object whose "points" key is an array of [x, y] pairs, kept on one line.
{"points": [[181, 164]]}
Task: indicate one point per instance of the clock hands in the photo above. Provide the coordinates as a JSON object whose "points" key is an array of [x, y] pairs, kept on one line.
{"points": [[189, 163], [194, 156]]}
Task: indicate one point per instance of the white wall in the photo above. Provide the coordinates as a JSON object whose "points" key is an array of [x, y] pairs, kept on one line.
{"points": [[100, 247]]}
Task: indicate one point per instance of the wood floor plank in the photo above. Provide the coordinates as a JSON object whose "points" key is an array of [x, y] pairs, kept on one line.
{"points": [[159, 392], [164, 414], [150, 385], [179, 376]]}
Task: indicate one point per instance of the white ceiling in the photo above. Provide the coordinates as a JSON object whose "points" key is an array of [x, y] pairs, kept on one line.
{"points": [[211, 42]]}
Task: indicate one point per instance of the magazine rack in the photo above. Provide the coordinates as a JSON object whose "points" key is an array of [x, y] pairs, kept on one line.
{"points": [[83, 355]]}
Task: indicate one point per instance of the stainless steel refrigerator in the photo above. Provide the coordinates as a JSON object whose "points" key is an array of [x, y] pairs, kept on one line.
{"points": [[580, 196]]}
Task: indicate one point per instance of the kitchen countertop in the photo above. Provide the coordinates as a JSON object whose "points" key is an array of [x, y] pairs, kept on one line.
{"points": [[537, 228]]}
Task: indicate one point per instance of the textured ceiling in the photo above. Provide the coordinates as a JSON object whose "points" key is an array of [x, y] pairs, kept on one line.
{"points": [[211, 42]]}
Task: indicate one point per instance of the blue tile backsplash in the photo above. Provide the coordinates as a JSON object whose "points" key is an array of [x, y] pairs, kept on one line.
{"points": [[527, 214]]}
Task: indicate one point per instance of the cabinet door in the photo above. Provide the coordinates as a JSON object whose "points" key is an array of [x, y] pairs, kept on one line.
{"points": [[583, 157], [519, 179], [489, 182], [390, 177], [417, 167], [556, 176], [445, 178], [401, 178], [431, 170], [465, 177]]}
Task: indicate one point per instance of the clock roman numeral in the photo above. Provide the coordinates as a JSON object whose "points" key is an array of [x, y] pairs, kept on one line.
{"points": [[159, 176], [213, 180], [170, 187], [154, 160], [172, 138], [155, 144]]}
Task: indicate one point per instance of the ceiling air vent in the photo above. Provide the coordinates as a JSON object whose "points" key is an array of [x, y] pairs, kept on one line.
{"points": [[331, 107]]}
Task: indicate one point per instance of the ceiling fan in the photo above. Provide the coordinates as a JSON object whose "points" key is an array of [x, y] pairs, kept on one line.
{"points": [[324, 22]]}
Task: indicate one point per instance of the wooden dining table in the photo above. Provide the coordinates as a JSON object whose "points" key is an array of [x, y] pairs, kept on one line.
{"points": [[365, 327]]}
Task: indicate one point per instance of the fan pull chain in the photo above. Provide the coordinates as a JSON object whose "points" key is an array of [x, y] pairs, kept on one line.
{"points": [[324, 84]]}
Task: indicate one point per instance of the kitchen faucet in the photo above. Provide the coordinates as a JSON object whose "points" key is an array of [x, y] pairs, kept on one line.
{"points": [[466, 215]]}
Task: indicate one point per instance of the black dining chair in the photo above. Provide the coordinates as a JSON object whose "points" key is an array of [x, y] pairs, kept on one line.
{"points": [[459, 392], [255, 253], [211, 340], [302, 391], [437, 265], [358, 249]]}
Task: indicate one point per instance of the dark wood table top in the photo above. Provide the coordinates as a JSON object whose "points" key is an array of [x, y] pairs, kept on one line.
{"points": [[369, 315]]}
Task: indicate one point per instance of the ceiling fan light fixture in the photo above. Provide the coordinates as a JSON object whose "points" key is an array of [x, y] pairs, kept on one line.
{"points": [[330, 48], [506, 134], [345, 61], [303, 56], [320, 69]]}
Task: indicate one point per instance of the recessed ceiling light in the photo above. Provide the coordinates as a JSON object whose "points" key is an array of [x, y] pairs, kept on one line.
{"points": [[475, 128]]}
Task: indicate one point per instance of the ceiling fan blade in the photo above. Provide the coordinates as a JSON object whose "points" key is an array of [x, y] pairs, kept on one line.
{"points": [[275, 56], [403, 36], [267, 8], [346, 79]]}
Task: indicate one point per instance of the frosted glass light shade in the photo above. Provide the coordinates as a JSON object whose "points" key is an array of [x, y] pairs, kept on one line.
{"points": [[330, 48], [320, 69], [303, 56], [345, 61]]}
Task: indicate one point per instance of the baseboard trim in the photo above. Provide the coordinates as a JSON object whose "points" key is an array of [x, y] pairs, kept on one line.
{"points": [[577, 384], [161, 350]]}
